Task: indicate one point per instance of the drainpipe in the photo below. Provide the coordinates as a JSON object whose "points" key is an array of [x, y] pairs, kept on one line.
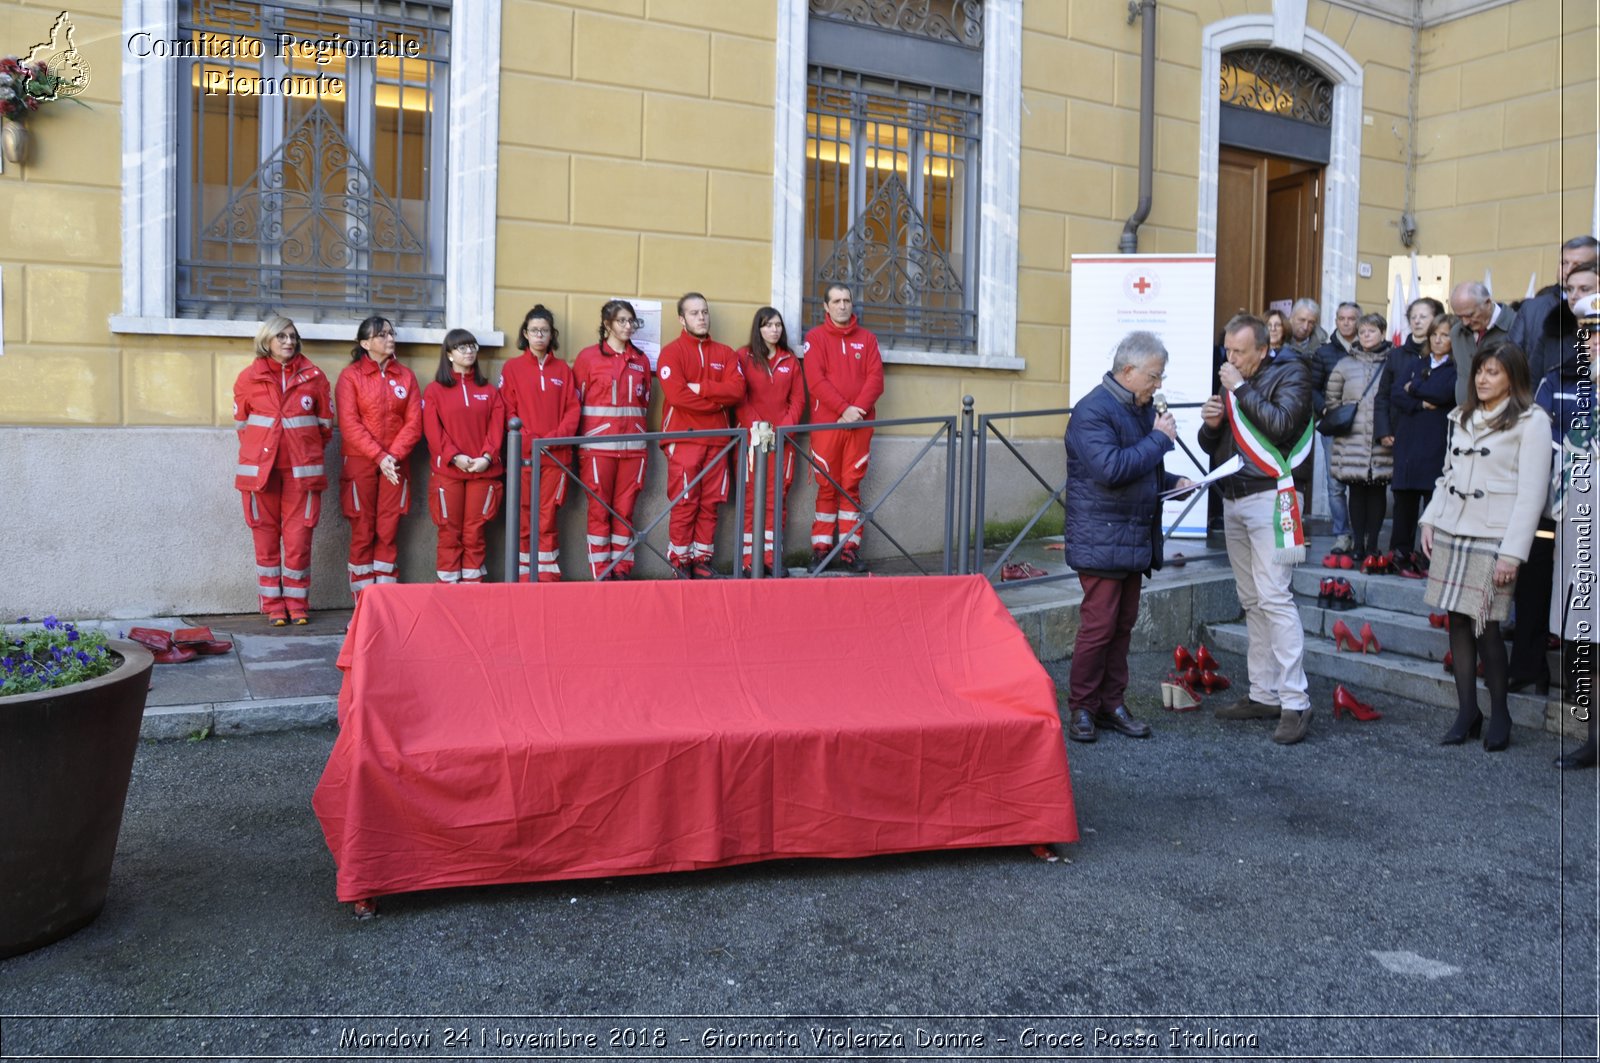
{"points": [[1147, 122]]}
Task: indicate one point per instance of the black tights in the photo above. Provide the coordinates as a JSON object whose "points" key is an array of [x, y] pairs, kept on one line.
{"points": [[1465, 650], [1368, 503]]}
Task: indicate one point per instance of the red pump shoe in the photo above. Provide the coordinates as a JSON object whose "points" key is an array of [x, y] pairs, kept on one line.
{"points": [[1344, 701]]}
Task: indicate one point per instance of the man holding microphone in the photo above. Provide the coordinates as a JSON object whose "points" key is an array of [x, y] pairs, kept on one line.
{"points": [[1116, 442]]}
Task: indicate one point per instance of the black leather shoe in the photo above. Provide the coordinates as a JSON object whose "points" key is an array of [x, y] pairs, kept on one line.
{"points": [[1121, 722], [1081, 729], [1582, 757]]}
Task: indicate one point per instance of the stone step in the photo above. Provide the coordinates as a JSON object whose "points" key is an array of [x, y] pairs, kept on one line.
{"points": [[1384, 592], [1403, 676], [1405, 634]]}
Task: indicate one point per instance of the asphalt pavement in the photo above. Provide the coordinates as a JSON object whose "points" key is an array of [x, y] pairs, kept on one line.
{"points": [[1366, 894]]}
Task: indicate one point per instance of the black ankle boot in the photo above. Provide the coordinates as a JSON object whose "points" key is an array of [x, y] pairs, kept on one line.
{"points": [[1497, 736], [1467, 726]]}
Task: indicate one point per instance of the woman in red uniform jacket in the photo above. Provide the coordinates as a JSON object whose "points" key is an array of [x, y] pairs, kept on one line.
{"points": [[380, 420], [775, 394], [465, 422], [613, 391], [538, 389], [284, 417]]}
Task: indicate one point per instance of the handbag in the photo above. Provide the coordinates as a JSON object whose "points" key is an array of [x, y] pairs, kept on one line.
{"points": [[1342, 418]]}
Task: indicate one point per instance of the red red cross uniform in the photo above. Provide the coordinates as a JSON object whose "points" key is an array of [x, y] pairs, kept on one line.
{"points": [[467, 419], [843, 368], [285, 419], [613, 394], [774, 394], [687, 360], [380, 413], [543, 395]]}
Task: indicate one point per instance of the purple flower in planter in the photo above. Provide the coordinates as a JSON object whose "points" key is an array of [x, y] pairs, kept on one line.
{"points": [[51, 623]]}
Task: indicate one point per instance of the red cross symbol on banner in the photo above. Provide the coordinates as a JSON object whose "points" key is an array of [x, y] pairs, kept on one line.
{"points": [[1142, 285]]}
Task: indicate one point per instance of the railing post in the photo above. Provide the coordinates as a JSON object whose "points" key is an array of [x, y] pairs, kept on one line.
{"points": [[760, 441], [780, 504], [514, 497], [964, 531]]}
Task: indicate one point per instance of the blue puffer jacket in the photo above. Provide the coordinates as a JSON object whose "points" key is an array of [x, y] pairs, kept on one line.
{"points": [[1114, 473]]}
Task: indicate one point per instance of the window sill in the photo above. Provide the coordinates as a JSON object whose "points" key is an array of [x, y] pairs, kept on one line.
{"points": [[903, 356], [339, 331]]}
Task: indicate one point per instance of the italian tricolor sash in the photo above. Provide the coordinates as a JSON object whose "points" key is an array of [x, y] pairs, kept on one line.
{"points": [[1260, 452]]}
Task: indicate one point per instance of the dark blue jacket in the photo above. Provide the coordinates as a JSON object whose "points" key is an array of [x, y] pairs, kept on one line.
{"points": [[1114, 473], [1419, 434]]}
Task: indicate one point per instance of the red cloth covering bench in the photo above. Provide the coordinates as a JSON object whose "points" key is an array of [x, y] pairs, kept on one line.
{"points": [[519, 733]]}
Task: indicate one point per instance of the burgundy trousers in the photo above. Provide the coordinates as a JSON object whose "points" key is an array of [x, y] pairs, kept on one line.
{"points": [[1105, 627]]}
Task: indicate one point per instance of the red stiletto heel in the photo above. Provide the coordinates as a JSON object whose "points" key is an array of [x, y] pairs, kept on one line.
{"points": [[1214, 681], [1206, 662], [1343, 636], [1369, 641], [1344, 701], [1181, 659]]}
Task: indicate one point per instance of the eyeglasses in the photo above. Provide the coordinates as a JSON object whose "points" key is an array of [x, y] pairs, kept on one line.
{"points": [[624, 322], [538, 330], [465, 348]]}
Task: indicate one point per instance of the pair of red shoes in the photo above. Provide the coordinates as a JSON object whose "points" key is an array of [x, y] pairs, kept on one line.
{"points": [[1378, 564], [1016, 570], [1344, 561], [1344, 638], [1346, 702], [176, 647], [1335, 592], [1193, 676], [1439, 620]]}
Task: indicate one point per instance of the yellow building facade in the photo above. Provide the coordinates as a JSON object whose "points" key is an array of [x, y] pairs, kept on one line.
{"points": [[641, 148]]}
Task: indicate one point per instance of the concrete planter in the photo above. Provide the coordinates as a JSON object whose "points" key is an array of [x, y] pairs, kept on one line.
{"points": [[65, 759]]}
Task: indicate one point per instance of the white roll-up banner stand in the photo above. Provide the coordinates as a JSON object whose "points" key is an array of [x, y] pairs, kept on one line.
{"points": [[1172, 296]]}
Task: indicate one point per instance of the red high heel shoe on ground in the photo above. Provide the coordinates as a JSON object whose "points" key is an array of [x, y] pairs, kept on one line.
{"points": [[1181, 659], [1438, 619], [1204, 660], [1344, 701], [1343, 636], [1369, 641], [1212, 681]]}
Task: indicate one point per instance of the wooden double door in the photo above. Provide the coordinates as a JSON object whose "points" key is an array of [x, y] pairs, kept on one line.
{"points": [[1269, 231]]}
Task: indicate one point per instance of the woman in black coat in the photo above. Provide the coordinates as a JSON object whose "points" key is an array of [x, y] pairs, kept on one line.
{"points": [[1420, 401]]}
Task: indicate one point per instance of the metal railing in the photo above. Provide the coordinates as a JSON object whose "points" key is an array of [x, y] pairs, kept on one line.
{"points": [[965, 440]]}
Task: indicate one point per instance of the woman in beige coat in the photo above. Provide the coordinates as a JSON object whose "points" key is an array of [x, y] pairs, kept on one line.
{"points": [[1364, 459], [1479, 525]]}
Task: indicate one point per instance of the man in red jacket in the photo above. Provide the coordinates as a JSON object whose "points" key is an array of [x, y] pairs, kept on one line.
{"points": [[700, 383], [844, 373]]}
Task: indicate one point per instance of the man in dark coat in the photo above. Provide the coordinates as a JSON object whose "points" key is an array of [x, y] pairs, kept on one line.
{"points": [[1115, 445], [1273, 395], [1479, 321], [1526, 331]]}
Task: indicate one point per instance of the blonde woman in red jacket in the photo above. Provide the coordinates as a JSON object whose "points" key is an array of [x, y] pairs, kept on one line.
{"points": [[775, 394], [380, 420], [284, 417], [538, 388], [465, 422]]}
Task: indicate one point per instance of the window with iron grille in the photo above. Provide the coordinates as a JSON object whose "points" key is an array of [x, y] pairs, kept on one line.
{"points": [[312, 179], [892, 167]]}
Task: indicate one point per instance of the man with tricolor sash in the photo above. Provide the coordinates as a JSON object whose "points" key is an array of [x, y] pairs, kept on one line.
{"points": [[1261, 425]]}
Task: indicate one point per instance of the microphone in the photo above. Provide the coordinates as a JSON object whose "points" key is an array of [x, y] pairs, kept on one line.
{"points": [[1161, 403]]}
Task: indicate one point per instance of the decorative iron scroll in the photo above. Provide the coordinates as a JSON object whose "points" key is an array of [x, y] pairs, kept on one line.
{"points": [[895, 264], [1262, 80], [953, 21]]}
